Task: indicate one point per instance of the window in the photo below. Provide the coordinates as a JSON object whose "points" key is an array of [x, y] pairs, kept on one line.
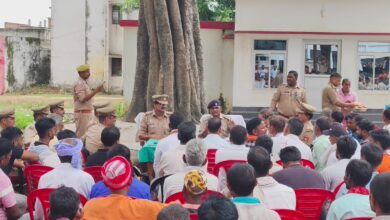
{"points": [[116, 14], [321, 58], [374, 60], [116, 66], [270, 56]]}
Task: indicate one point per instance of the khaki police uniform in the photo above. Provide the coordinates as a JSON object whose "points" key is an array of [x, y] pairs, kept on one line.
{"points": [[287, 100], [30, 132], [329, 98], [93, 135], [307, 135], [6, 112], [82, 110], [225, 120], [95, 118], [57, 104]]}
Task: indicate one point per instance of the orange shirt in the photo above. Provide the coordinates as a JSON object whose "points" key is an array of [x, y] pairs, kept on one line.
{"points": [[121, 207], [385, 165]]}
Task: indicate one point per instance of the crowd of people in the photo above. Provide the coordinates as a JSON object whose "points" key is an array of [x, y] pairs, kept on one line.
{"points": [[349, 155]]}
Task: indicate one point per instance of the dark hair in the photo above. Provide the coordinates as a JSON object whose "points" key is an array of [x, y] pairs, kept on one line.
{"points": [[337, 116], [119, 150], [186, 131], [216, 207], [295, 126], [309, 115], [175, 119], [266, 142], [359, 171], [241, 179], [386, 114], [110, 136], [351, 116], [295, 73], [357, 118], [346, 147], [173, 212], [5, 146], [379, 189], [44, 125], [260, 159], [290, 154], [11, 133], [372, 153], [382, 136], [323, 123], [345, 80], [64, 203], [238, 135], [252, 124], [66, 134], [214, 124], [335, 75], [278, 123], [102, 117], [366, 125]]}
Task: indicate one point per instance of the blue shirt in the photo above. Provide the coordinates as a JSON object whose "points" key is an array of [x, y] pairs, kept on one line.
{"points": [[138, 189]]}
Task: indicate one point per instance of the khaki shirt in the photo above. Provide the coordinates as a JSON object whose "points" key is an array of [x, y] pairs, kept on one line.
{"points": [[94, 121], [29, 134], [329, 98], [80, 90], [287, 100], [307, 134], [92, 138], [153, 125], [224, 124]]}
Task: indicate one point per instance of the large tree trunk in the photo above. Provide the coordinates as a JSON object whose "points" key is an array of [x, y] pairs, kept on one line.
{"points": [[169, 58]]}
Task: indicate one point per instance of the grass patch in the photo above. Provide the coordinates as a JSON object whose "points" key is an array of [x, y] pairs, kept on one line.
{"points": [[23, 119]]}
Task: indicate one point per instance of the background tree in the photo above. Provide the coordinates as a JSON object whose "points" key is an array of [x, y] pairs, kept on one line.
{"points": [[169, 58], [216, 10]]}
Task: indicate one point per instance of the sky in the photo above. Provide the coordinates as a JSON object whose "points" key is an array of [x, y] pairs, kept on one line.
{"points": [[19, 11]]}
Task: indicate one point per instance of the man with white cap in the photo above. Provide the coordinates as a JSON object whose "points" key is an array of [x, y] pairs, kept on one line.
{"points": [[116, 174]]}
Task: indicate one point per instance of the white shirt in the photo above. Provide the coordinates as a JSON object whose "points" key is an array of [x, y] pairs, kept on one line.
{"points": [[164, 145], [334, 174], [293, 140], [46, 156], [273, 194], [171, 161], [330, 154], [387, 127], [278, 144], [350, 206], [174, 184], [214, 141], [231, 152]]}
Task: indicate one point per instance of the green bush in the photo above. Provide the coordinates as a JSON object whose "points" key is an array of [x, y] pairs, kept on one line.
{"points": [[23, 119], [120, 110]]}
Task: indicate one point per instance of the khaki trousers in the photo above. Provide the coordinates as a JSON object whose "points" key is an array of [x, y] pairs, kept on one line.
{"points": [[81, 121]]}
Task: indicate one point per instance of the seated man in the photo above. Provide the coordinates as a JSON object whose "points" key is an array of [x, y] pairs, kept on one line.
{"points": [[138, 189], [276, 128], [273, 194], [171, 160], [334, 174], [66, 134], [195, 159], [292, 131], [30, 132], [216, 207], [8, 207], [380, 196], [195, 185], [173, 212], [356, 203], [241, 181], [109, 137], [213, 140], [116, 174], [255, 129], [236, 151], [363, 130], [294, 174], [65, 204], [46, 132], [266, 142], [321, 142], [381, 137]]}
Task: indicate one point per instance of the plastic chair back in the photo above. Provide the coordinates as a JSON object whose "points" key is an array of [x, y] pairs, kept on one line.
{"points": [[287, 214], [311, 201], [305, 163], [33, 173], [95, 172], [193, 216], [158, 182], [226, 165], [44, 197], [180, 196], [211, 160]]}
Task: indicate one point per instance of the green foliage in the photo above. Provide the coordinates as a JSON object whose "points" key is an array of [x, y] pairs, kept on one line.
{"points": [[224, 104], [216, 10], [120, 110], [23, 119], [130, 5]]}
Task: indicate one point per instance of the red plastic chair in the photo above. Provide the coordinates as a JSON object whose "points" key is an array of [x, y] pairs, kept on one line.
{"points": [[95, 172], [211, 160], [337, 189], [179, 196], [305, 163], [226, 165], [193, 216], [32, 174], [311, 201], [44, 197], [287, 214]]}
